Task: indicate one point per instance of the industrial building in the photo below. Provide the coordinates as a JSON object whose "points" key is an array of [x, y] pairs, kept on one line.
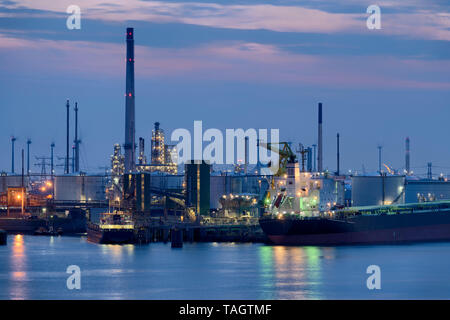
{"points": [[8, 181], [378, 190], [426, 190], [198, 187], [80, 188]]}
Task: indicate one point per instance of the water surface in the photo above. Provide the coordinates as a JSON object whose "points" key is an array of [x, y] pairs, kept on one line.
{"points": [[34, 267]]}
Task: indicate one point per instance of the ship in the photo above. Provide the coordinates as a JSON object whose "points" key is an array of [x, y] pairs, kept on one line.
{"points": [[307, 208], [113, 228], [25, 225], [386, 224], [53, 224]]}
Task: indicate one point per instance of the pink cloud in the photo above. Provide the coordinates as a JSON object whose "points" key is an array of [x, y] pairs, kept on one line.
{"points": [[418, 20], [236, 61]]}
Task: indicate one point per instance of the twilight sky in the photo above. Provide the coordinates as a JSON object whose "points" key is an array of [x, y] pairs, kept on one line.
{"points": [[232, 64]]}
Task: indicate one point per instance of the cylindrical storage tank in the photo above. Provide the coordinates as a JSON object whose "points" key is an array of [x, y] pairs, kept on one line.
{"points": [[217, 190], [80, 188], [12, 181], [426, 190], [377, 190]]}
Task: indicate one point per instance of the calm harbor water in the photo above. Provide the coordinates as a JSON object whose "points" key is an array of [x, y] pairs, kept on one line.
{"points": [[33, 267]]}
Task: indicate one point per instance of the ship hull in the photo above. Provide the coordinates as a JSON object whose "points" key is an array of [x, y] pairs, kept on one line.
{"points": [[105, 236], [376, 229], [19, 225]]}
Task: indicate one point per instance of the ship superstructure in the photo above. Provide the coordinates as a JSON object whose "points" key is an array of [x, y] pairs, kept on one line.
{"points": [[306, 194]]}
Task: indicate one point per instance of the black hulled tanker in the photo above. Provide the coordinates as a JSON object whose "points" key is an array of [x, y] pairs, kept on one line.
{"points": [[364, 225]]}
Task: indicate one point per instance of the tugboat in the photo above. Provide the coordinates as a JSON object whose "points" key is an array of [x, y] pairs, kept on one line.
{"points": [[50, 231], [113, 228]]}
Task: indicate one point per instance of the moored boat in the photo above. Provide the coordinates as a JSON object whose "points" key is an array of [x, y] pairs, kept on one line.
{"points": [[113, 228], [362, 225]]}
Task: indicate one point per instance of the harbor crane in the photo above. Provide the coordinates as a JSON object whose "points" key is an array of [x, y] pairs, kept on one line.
{"points": [[286, 155]]}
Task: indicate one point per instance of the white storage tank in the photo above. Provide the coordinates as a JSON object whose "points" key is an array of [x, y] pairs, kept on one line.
{"points": [[12, 181], [426, 190], [377, 190], [80, 188]]}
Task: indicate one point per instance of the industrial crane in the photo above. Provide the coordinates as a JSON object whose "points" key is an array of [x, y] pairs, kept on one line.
{"points": [[285, 155]]}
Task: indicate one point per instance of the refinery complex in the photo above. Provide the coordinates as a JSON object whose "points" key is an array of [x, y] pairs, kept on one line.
{"points": [[147, 195]]}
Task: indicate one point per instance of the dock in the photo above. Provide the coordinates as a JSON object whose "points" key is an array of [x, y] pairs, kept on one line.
{"points": [[2, 237], [177, 233]]}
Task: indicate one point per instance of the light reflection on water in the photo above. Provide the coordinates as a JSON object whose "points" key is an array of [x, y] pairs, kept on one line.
{"points": [[291, 272], [18, 263], [34, 267]]}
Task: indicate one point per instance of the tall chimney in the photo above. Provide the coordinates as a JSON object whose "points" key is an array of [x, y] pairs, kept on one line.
{"points": [[314, 157], [320, 143], [379, 158], [338, 156], [429, 172], [52, 146], [23, 184], [28, 156], [13, 140], [246, 155], [76, 141], [73, 159], [407, 158], [130, 143], [67, 138], [23, 169]]}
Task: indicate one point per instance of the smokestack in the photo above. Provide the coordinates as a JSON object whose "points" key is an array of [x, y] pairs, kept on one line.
{"points": [[23, 168], [13, 140], [314, 157], [246, 155], [73, 159], [28, 156], [23, 183], [130, 143], [379, 158], [76, 141], [67, 138], [320, 143], [338, 156], [429, 172], [407, 158], [52, 146]]}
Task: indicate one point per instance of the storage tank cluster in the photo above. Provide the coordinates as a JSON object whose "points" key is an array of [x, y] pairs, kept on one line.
{"points": [[377, 190], [12, 181], [80, 188]]}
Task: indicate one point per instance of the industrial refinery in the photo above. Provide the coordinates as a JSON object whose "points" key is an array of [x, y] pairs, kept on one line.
{"points": [[244, 150], [152, 196]]}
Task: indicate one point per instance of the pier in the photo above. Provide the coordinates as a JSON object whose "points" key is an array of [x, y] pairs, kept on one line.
{"points": [[2, 237], [186, 232]]}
